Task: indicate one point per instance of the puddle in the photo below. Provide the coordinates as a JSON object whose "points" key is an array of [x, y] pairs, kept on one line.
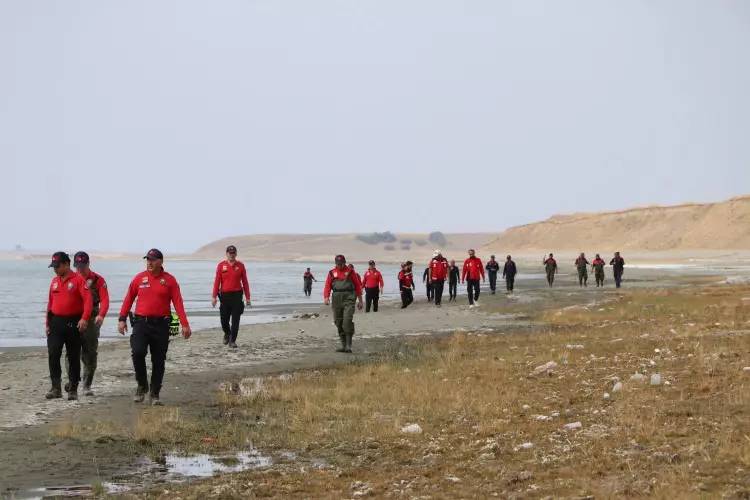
{"points": [[207, 465], [172, 468]]}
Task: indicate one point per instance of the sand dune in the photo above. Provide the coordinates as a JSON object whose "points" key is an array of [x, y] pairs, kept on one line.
{"points": [[323, 247], [710, 226]]}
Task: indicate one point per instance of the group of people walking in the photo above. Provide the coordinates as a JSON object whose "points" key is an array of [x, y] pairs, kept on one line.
{"points": [[79, 301]]}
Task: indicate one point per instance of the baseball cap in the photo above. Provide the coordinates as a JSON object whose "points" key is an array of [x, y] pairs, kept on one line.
{"points": [[372, 263], [80, 259], [436, 253], [340, 258], [231, 249], [154, 254], [59, 258]]}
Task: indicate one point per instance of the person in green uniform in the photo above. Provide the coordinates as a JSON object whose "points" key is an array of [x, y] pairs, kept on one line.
{"points": [[342, 291], [583, 274]]}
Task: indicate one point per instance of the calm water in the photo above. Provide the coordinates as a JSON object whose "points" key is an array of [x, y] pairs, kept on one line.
{"points": [[276, 291]]}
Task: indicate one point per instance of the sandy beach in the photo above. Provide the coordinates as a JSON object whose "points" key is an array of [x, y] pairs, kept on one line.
{"points": [[196, 368]]}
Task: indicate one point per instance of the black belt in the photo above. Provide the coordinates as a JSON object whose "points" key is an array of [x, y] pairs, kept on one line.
{"points": [[66, 318], [151, 319]]}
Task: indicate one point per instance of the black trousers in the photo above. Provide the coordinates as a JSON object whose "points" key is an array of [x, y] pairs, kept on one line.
{"points": [[232, 307], [618, 278], [430, 292], [407, 297], [308, 288], [453, 289], [550, 277], [150, 334], [492, 275], [63, 331], [472, 287], [437, 291], [509, 280], [371, 299]]}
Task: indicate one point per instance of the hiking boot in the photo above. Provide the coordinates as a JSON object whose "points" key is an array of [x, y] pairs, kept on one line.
{"points": [[66, 387], [73, 394], [87, 390], [348, 344], [140, 394], [226, 339], [343, 344], [233, 345], [54, 393], [154, 400]]}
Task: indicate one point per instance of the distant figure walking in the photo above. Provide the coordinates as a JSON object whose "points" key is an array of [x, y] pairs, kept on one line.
{"points": [[472, 271], [509, 273], [308, 279], [453, 277], [230, 283], [492, 267], [373, 283], [618, 267], [438, 273], [581, 266], [342, 290], [428, 283], [550, 267], [597, 265], [406, 284]]}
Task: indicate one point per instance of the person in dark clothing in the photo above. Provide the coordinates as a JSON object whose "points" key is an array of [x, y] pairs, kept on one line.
{"points": [[406, 284], [428, 283], [550, 267], [453, 276], [597, 265], [438, 273], [581, 265], [308, 279], [509, 273], [492, 267], [618, 267]]}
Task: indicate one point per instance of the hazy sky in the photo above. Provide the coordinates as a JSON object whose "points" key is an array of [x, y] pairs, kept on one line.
{"points": [[126, 125]]}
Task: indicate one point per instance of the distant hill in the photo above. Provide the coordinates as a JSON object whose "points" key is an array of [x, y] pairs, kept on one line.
{"points": [[710, 226], [382, 247]]}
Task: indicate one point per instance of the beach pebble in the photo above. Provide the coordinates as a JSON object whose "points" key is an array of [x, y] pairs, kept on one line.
{"points": [[572, 426], [617, 387], [637, 377], [545, 368], [526, 407], [655, 379], [746, 369], [452, 479], [524, 446], [606, 396], [411, 429], [574, 346]]}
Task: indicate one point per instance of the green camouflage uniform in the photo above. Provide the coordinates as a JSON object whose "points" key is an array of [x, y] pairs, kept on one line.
{"points": [[343, 301], [89, 340], [583, 274], [599, 272]]}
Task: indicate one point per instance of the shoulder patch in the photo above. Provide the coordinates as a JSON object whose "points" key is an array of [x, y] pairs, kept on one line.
{"points": [[163, 281]]}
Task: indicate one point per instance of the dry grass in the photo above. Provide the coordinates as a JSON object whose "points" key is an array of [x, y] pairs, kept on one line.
{"points": [[476, 402]]}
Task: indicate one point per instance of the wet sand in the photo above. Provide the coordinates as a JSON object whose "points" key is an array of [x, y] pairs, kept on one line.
{"points": [[196, 367]]}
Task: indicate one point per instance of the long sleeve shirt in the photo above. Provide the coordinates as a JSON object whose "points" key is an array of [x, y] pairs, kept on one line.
{"points": [[336, 274], [473, 269], [154, 293], [68, 296], [231, 278], [372, 279], [96, 284]]}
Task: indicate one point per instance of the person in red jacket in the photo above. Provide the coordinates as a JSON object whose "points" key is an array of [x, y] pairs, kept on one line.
{"points": [[97, 286], [230, 283], [406, 284], [342, 289], [69, 307], [438, 274], [154, 290], [597, 265], [472, 271], [373, 284], [307, 280]]}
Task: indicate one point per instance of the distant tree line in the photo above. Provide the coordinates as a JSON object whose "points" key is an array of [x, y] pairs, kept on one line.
{"points": [[436, 238]]}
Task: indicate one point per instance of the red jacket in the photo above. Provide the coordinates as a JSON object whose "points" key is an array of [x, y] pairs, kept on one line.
{"points": [[473, 269], [96, 282], [346, 274], [154, 293], [406, 280], [438, 269], [68, 296], [231, 278], [598, 262], [372, 279]]}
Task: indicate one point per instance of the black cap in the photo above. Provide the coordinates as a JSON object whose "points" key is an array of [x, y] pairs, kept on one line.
{"points": [[372, 263], [80, 259], [154, 254], [340, 258], [59, 258], [231, 249]]}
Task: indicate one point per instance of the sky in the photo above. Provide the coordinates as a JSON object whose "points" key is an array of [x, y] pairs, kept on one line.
{"points": [[128, 125]]}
